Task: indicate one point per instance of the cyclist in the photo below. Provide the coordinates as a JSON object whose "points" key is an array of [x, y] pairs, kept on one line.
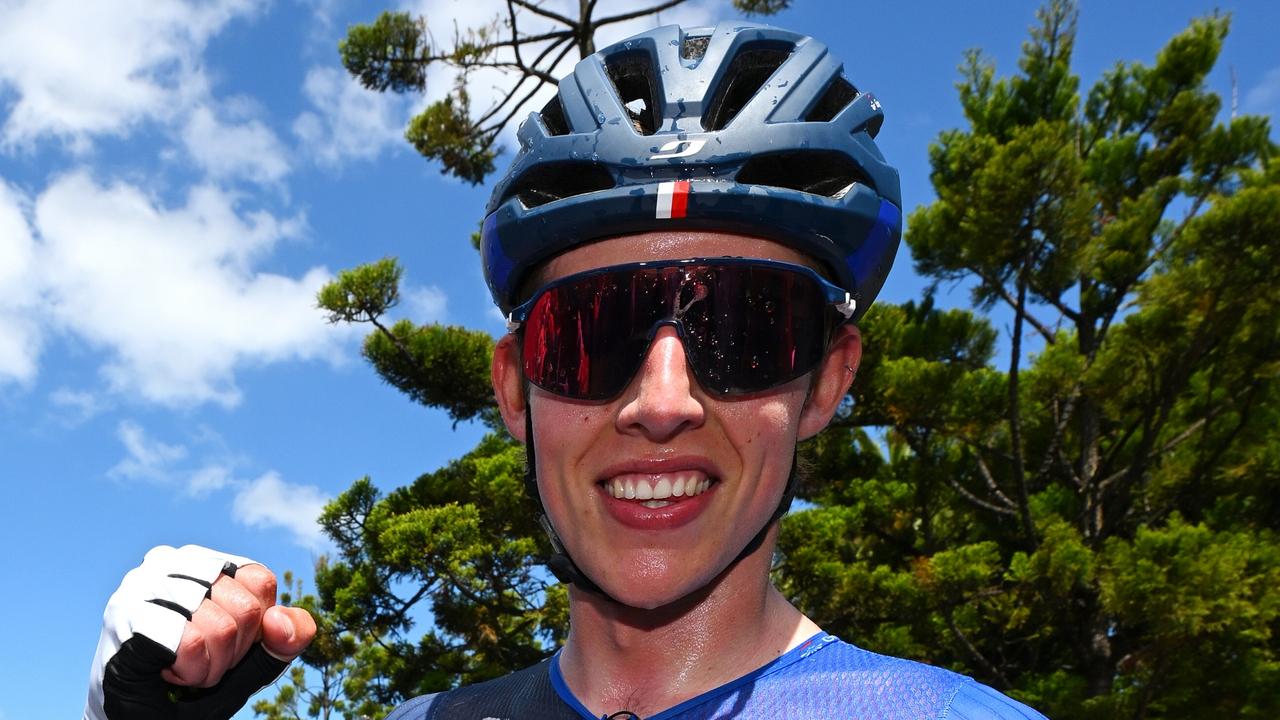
{"points": [[683, 246]]}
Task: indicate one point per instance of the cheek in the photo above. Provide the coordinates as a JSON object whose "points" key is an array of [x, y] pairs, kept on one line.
{"points": [[763, 425], [562, 433]]}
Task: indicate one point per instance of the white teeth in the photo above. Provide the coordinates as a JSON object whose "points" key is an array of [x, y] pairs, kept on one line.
{"points": [[662, 490], [649, 491]]}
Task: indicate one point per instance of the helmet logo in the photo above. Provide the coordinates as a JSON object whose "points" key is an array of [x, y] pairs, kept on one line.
{"points": [[674, 149], [673, 200]]}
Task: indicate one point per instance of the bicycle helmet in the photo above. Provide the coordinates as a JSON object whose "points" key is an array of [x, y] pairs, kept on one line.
{"points": [[742, 127]]}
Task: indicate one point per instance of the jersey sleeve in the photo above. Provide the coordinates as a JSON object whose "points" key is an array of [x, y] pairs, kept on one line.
{"points": [[975, 701], [418, 708]]}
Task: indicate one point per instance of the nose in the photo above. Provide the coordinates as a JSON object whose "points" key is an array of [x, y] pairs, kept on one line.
{"points": [[660, 403]]}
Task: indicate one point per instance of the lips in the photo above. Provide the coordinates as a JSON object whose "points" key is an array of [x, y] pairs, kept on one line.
{"points": [[657, 495]]}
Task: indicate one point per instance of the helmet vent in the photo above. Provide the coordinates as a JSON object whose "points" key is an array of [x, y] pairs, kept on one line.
{"points": [[557, 181], [835, 98], [694, 48], [816, 172], [553, 117], [637, 87], [744, 77]]}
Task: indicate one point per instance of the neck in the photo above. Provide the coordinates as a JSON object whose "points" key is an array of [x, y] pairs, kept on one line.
{"points": [[645, 661]]}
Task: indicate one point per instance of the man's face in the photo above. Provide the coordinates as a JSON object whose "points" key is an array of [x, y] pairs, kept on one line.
{"points": [[729, 458]]}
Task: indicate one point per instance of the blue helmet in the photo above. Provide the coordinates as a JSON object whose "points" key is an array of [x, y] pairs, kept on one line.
{"points": [[742, 127]]}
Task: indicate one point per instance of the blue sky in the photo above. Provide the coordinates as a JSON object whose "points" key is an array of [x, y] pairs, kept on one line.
{"points": [[178, 177]]}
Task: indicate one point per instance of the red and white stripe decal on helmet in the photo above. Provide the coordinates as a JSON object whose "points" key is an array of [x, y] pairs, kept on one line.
{"points": [[673, 199]]}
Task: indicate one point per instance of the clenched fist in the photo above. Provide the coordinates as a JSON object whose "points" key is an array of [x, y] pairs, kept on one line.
{"points": [[191, 634]]}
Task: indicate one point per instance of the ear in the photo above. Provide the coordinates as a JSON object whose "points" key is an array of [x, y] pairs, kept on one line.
{"points": [[508, 385], [831, 382]]}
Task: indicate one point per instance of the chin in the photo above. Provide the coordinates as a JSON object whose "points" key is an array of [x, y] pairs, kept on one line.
{"points": [[657, 580]]}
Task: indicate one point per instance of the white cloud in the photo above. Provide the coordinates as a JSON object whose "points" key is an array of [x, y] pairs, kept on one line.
{"points": [[347, 122], [1265, 96], [267, 502], [171, 293], [320, 16], [81, 69], [425, 304], [19, 332], [271, 502], [145, 458], [80, 405], [208, 479], [248, 149]]}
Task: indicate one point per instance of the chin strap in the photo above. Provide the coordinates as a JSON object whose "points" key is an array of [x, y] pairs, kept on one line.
{"points": [[563, 566], [559, 562]]}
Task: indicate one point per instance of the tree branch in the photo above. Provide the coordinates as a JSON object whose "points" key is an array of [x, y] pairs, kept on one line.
{"points": [[977, 655], [985, 470], [404, 351], [529, 95], [1015, 407], [491, 132], [1168, 446], [1070, 468], [975, 500], [1059, 430], [515, 32], [638, 13], [1005, 296], [545, 13]]}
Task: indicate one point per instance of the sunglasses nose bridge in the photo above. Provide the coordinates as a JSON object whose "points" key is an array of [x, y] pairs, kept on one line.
{"points": [[675, 324], [662, 399], [692, 367]]}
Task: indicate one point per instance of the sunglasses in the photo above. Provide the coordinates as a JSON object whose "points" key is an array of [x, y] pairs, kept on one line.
{"points": [[746, 325]]}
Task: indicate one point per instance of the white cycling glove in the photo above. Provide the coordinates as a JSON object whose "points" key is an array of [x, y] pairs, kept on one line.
{"points": [[141, 629]]}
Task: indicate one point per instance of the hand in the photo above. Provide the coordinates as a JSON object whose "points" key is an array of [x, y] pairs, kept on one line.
{"points": [[191, 634]]}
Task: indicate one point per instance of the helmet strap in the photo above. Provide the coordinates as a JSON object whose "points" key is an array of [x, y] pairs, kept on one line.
{"points": [[559, 562]]}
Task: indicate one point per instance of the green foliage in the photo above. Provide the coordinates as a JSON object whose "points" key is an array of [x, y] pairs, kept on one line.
{"points": [[445, 132], [389, 54], [337, 673], [761, 7], [362, 294], [1093, 527], [446, 367], [440, 366], [460, 543]]}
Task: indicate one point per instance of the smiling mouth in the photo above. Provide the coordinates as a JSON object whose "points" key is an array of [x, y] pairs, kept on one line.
{"points": [[658, 491]]}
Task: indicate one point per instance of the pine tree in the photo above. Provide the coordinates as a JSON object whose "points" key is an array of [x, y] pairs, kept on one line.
{"points": [[1088, 519]]}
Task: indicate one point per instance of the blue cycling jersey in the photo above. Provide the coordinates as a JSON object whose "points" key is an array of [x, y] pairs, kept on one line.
{"points": [[822, 678]]}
